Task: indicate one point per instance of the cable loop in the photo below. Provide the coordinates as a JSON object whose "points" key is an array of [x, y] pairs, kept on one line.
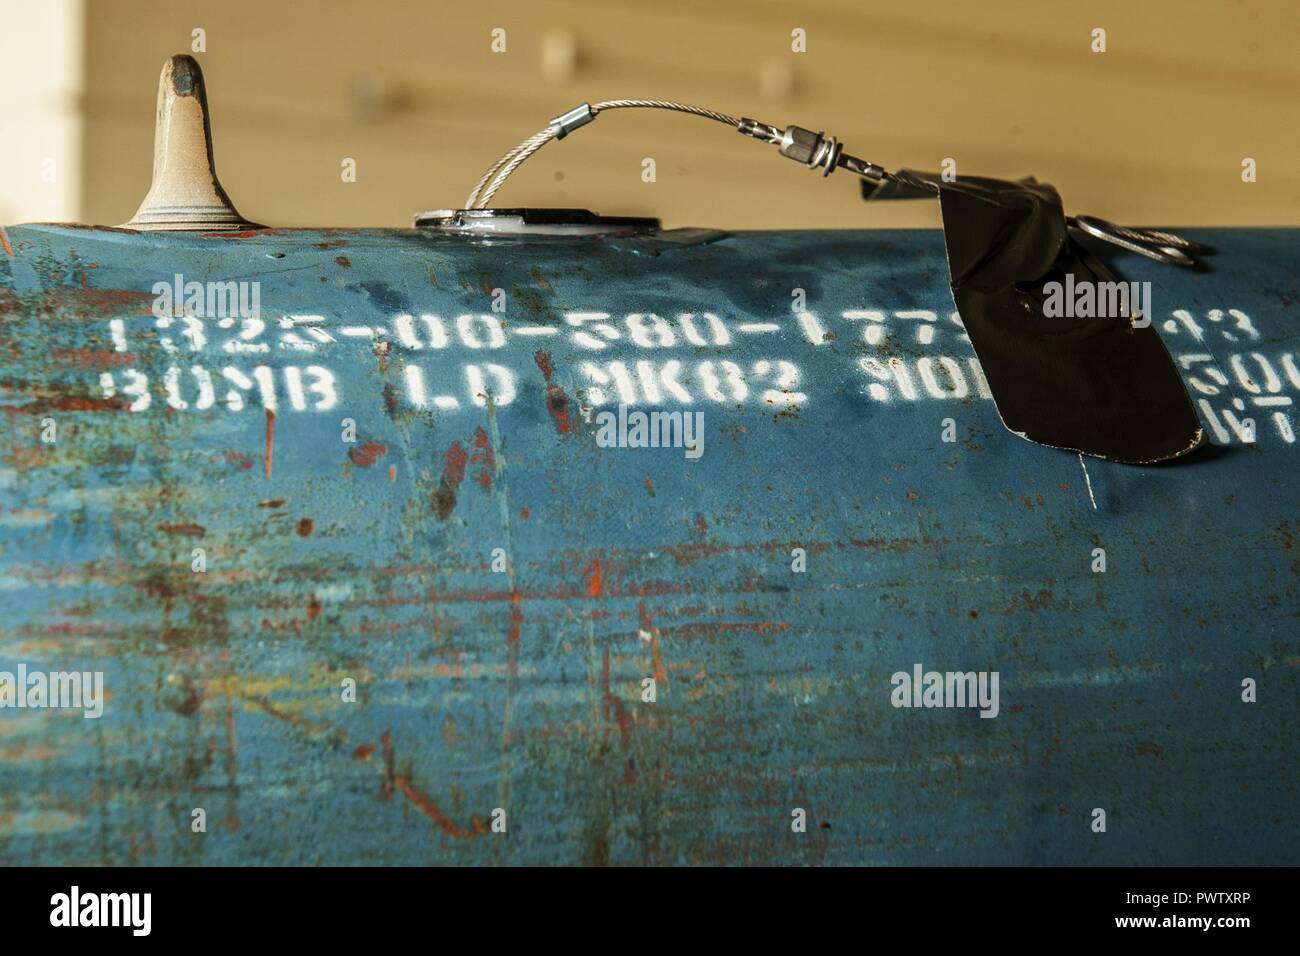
{"points": [[561, 126]]}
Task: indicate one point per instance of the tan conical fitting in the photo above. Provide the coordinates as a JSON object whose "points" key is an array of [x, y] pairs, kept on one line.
{"points": [[186, 194]]}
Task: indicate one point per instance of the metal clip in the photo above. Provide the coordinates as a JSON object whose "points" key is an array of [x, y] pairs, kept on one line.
{"points": [[1160, 246]]}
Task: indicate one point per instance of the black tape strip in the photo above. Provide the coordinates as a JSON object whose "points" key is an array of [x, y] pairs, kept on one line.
{"points": [[1100, 385]]}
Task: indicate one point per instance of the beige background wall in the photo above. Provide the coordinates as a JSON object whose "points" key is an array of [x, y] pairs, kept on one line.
{"points": [[41, 55], [1152, 131]]}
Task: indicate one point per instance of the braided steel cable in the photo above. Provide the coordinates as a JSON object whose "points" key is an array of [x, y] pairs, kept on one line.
{"points": [[502, 169]]}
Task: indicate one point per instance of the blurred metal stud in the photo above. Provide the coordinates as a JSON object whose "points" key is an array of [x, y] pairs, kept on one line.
{"points": [[775, 79], [373, 96], [559, 58]]}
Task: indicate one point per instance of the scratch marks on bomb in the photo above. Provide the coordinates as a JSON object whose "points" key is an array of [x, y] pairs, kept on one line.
{"points": [[478, 826], [400, 781], [315, 729], [689, 553], [394, 779], [613, 707], [649, 633]]}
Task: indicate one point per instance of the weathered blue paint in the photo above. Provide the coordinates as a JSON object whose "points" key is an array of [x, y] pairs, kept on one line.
{"points": [[522, 690]]}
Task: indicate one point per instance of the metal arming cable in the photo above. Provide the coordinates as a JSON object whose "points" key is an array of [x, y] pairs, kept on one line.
{"points": [[560, 127], [816, 151]]}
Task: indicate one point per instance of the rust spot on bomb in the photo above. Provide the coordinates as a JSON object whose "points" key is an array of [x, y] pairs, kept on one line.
{"points": [[363, 456], [305, 527], [343, 261], [92, 358], [67, 403], [270, 439], [557, 401], [191, 530], [453, 473], [391, 403], [484, 457], [1042, 600], [595, 579]]}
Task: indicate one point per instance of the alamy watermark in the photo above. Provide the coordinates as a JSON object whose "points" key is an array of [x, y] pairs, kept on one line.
{"points": [[923, 688], [207, 300], [54, 690], [74, 908], [638, 429], [1098, 300]]}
